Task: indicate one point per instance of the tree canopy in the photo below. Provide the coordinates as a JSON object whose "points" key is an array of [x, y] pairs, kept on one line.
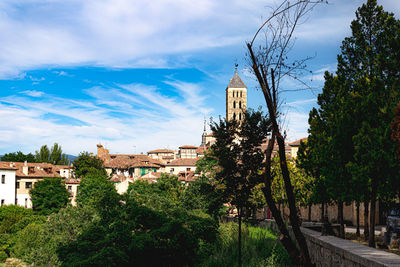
{"points": [[49, 195], [86, 164], [18, 157]]}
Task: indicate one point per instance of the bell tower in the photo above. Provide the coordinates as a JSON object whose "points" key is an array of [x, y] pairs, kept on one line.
{"points": [[236, 98]]}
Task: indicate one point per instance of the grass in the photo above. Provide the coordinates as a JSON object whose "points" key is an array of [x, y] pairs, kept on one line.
{"points": [[260, 247]]}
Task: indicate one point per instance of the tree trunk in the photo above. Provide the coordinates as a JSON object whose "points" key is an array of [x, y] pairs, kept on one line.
{"points": [[322, 211], [371, 240], [366, 227], [284, 237], [309, 212], [293, 216], [358, 218], [340, 219], [240, 237]]}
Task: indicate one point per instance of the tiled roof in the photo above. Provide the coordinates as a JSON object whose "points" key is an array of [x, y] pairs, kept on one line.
{"points": [[72, 181], [236, 81], [188, 146], [131, 161], [189, 176], [160, 151], [297, 142], [150, 177], [183, 162], [7, 166], [201, 150], [35, 170]]}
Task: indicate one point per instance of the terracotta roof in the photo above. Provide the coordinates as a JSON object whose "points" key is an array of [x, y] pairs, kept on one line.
{"points": [[183, 162], [150, 177], [36, 173], [72, 181], [118, 178], [201, 150], [189, 176], [160, 151], [188, 146], [236, 81], [297, 142], [35, 170], [132, 161], [7, 166]]}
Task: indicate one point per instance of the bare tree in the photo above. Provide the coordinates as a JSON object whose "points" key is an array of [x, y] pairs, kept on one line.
{"points": [[270, 64]]}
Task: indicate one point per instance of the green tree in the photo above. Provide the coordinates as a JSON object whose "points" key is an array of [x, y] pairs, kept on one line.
{"points": [[85, 163], [38, 243], [53, 156], [369, 62], [98, 192], [18, 157], [49, 195], [239, 155]]}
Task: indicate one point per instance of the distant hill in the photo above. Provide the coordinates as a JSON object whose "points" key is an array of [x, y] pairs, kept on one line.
{"points": [[71, 158]]}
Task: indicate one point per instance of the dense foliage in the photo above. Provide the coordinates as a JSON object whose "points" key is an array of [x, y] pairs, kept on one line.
{"points": [[350, 130], [49, 195], [86, 163], [53, 155], [18, 157]]}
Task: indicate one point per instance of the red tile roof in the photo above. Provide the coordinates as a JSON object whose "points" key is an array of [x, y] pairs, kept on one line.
{"points": [[7, 166], [72, 181], [297, 142], [183, 162], [188, 176], [160, 151], [188, 146], [35, 170]]}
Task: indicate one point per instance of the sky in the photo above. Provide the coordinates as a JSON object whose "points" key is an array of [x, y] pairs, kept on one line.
{"points": [[142, 75]]}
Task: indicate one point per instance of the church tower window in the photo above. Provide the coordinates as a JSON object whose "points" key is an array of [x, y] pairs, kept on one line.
{"points": [[234, 116], [234, 104], [240, 116], [240, 104]]}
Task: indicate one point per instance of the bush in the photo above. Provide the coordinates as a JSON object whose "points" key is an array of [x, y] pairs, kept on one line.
{"points": [[260, 248], [3, 256]]}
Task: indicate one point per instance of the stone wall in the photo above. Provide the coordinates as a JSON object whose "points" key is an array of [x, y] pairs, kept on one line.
{"points": [[332, 251]]}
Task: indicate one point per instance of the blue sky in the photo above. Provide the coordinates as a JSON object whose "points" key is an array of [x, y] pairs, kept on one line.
{"points": [[140, 75]]}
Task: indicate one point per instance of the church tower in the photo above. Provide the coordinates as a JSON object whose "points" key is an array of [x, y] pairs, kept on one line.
{"points": [[236, 98]]}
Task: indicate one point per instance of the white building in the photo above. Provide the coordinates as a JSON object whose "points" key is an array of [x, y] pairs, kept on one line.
{"points": [[7, 184]]}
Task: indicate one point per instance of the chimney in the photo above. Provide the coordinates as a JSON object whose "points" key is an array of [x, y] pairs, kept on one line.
{"points": [[25, 168], [91, 154]]}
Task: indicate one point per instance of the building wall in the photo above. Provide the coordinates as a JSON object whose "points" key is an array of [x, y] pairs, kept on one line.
{"points": [[176, 169], [23, 197], [234, 96], [7, 189], [73, 190], [190, 153]]}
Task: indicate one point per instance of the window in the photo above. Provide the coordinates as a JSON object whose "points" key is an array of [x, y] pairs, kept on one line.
{"points": [[171, 170], [2, 202], [240, 94], [240, 104], [3, 179], [234, 116], [240, 116], [17, 185], [26, 202], [234, 104], [233, 94], [188, 169], [28, 185], [70, 188]]}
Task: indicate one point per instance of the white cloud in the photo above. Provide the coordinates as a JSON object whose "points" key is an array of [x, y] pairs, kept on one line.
{"points": [[33, 93], [123, 116]]}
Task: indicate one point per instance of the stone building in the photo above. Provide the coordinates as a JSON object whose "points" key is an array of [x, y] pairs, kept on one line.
{"points": [[236, 98]]}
